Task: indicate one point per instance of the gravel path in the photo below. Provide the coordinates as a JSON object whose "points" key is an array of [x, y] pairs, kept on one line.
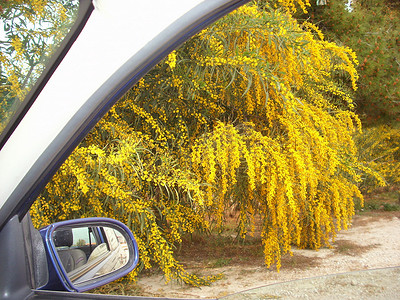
{"points": [[373, 242], [369, 284]]}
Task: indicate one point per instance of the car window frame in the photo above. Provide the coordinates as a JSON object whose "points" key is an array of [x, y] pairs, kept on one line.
{"points": [[19, 275]]}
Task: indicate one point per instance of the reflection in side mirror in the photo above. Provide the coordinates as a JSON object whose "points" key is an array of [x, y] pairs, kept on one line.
{"points": [[87, 253]]}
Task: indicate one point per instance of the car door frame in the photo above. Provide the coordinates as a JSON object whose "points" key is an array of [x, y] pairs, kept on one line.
{"points": [[21, 249]]}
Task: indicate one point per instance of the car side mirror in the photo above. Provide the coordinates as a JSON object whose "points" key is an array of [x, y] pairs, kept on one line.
{"points": [[83, 254]]}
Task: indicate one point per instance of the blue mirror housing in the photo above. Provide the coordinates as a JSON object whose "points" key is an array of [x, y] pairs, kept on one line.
{"points": [[83, 254]]}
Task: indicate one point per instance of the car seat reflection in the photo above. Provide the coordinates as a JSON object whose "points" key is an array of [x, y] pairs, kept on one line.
{"points": [[104, 251]]}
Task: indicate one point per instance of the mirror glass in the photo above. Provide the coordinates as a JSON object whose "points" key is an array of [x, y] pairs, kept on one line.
{"points": [[90, 252]]}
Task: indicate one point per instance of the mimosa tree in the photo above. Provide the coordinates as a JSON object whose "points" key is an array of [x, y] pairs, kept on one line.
{"points": [[247, 113]]}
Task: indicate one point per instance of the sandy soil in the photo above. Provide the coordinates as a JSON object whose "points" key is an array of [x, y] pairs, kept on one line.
{"points": [[372, 242]]}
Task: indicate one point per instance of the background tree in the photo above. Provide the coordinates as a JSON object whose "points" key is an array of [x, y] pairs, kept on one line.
{"points": [[372, 29]]}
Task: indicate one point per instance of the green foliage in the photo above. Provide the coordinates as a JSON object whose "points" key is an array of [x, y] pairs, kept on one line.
{"points": [[80, 243], [221, 262], [383, 199], [379, 149], [372, 30], [391, 207]]}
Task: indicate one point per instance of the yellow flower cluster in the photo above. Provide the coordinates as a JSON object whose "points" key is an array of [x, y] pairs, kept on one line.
{"points": [[171, 60], [125, 180]]}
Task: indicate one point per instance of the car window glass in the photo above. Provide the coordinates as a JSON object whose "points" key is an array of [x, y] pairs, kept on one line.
{"points": [[83, 237], [30, 32]]}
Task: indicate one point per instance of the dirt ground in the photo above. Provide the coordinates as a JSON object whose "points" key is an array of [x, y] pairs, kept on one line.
{"points": [[372, 242]]}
